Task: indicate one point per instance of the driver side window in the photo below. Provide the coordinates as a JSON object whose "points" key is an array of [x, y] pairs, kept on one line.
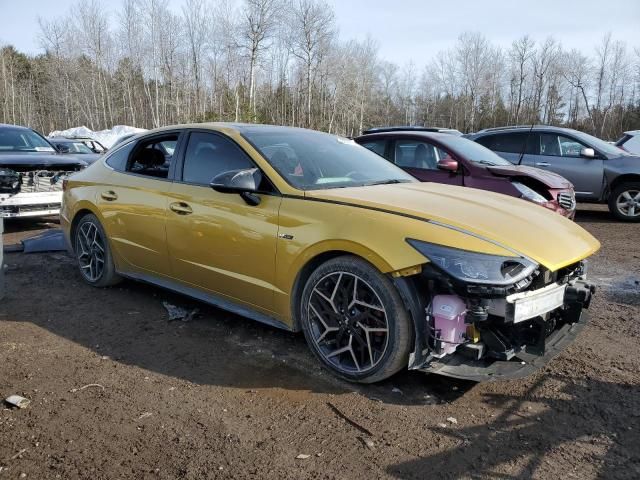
{"points": [[559, 145], [415, 154], [208, 155]]}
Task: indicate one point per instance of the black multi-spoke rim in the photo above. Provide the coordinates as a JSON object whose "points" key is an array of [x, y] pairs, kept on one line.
{"points": [[90, 251], [348, 322], [628, 203]]}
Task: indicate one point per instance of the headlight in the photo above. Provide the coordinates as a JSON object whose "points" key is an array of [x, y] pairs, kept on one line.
{"points": [[528, 193], [473, 267]]}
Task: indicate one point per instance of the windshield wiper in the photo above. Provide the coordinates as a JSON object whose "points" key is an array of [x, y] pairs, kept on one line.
{"points": [[386, 182]]}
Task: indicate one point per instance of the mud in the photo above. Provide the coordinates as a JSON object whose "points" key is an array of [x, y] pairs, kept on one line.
{"points": [[117, 391]]}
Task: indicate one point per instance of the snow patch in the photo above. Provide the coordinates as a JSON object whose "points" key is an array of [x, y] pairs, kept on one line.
{"points": [[105, 137]]}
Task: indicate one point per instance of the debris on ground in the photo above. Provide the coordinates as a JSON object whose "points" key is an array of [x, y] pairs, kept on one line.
{"points": [[90, 385], [302, 456], [351, 422], [179, 313], [17, 401], [48, 241], [368, 443], [396, 390], [452, 420], [145, 415]]}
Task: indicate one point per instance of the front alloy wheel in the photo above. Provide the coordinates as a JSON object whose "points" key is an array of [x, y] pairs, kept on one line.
{"points": [[624, 202], [354, 320]]}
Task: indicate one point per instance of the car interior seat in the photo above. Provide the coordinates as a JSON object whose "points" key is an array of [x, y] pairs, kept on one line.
{"points": [[425, 157]]}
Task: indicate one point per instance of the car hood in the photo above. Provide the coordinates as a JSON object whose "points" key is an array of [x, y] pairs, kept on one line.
{"points": [[26, 160], [84, 157], [550, 179], [514, 224]]}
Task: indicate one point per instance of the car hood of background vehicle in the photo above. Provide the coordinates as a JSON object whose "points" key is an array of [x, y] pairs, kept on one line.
{"points": [[516, 224], [84, 157], [550, 179], [38, 160]]}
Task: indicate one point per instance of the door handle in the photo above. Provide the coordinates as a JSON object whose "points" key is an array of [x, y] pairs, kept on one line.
{"points": [[542, 164], [109, 196], [181, 208]]}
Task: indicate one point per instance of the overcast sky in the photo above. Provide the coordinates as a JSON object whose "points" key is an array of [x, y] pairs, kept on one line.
{"points": [[412, 29]]}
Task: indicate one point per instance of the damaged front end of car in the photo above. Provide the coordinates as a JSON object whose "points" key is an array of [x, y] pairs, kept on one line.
{"points": [[486, 317], [33, 190]]}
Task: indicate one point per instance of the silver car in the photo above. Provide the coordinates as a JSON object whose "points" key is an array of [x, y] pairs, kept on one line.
{"points": [[600, 172]]}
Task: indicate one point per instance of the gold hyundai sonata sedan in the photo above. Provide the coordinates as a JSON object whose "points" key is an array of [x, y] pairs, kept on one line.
{"points": [[309, 231]]}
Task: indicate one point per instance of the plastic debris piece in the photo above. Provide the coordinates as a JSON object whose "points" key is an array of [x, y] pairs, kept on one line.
{"points": [[49, 241], [179, 313], [17, 401], [302, 456], [452, 420]]}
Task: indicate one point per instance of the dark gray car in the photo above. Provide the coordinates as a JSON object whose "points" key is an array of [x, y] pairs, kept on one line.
{"points": [[599, 171]]}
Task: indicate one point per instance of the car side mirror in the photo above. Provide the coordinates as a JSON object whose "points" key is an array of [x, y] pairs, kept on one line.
{"points": [[448, 164], [588, 153], [63, 148], [245, 182]]}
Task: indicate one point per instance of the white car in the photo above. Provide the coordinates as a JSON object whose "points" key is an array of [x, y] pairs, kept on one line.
{"points": [[630, 142], [31, 173]]}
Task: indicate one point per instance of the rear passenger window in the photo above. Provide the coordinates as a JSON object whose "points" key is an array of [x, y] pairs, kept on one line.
{"points": [[118, 158], [504, 142], [208, 155], [151, 157]]}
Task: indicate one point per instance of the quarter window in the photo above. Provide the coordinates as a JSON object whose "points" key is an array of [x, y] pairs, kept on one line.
{"points": [[118, 158], [376, 146], [208, 155], [415, 154]]}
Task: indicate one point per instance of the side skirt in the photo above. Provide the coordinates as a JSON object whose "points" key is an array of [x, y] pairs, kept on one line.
{"points": [[211, 299]]}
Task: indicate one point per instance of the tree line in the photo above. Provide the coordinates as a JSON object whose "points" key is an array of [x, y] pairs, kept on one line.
{"points": [[283, 62]]}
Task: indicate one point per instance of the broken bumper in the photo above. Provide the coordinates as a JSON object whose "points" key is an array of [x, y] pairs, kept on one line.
{"points": [[523, 364], [36, 204]]}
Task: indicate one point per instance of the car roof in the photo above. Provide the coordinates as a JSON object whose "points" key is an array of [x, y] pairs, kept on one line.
{"points": [[407, 133], [8, 125], [229, 127], [523, 128], [407, 128], [632, 132]]}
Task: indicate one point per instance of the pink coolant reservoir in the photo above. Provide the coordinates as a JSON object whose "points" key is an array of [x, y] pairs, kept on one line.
{"points": [[449, 312]]}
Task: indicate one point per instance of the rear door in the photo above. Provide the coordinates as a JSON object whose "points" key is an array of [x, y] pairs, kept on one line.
{"points": [[561, 154], [420, 159], [509, 146], [134, 204]]}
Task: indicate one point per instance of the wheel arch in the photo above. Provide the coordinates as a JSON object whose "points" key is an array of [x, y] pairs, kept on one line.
{"points": [[81, 209], [625, 178], [314, 261]]}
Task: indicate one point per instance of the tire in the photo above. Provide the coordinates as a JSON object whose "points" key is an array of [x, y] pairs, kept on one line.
{"points": [[93, 254], [624, 202], [365, 343]]}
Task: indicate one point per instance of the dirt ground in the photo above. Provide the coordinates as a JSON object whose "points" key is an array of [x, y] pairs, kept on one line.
{"points": [[118, 391]]}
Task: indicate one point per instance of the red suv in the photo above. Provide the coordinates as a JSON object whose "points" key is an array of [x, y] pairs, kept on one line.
{"points": [[444, 158]]}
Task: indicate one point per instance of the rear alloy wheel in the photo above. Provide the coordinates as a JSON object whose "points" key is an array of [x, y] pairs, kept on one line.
{"points": [[354, 320], [93, 254], [624, 202]]}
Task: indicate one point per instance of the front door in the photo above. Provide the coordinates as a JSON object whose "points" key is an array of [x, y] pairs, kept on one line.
{"points": [[561, 154], [217, 242], [420, 159]]}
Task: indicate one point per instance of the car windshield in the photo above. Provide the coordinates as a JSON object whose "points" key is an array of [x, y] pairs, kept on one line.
{"points": [[77, 147], [473, 151], [22, 140], [600, 145], [311, 160]]}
